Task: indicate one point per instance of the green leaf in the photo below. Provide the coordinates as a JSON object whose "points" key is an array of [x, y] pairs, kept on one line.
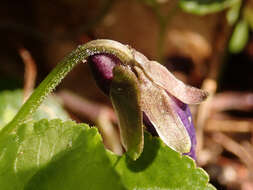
{"points": [[239, 37], [73, 155], [233, 13], [125, 97], [160, 167], [11, 101], [202, 7], [210, 187], [49, 155]]}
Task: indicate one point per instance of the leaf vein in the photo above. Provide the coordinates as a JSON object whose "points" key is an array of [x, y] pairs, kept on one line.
{"points": [[38, 154]]}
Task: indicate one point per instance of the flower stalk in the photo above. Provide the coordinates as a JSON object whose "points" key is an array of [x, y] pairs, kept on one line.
{"points": [[60, 71]]}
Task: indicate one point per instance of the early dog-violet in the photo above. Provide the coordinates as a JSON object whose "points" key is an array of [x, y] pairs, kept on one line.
{"points": [[144, 87], [142, 92]]}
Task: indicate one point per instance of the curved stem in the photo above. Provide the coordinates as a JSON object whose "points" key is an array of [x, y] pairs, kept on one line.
{"points": [[163, 21], [60, 71]]}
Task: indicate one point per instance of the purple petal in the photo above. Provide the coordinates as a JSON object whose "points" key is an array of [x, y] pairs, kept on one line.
{"points": [[102, 68], [149, 126], [185, 115]]}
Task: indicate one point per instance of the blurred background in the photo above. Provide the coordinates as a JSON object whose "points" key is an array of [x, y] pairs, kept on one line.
{"points": [[207, 44]]}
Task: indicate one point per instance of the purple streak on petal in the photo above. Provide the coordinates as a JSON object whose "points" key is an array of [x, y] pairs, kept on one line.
{"points": [[102, 68], [185, 115], [149, 126]]}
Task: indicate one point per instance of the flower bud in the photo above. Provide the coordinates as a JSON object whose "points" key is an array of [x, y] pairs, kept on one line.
{"points": [[102, 69]]}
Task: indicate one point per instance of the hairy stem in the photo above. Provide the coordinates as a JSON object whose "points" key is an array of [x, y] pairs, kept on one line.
{"points": [[60, 71]]}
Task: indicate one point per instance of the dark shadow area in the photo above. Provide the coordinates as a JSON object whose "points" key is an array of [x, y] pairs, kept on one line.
{"points": [[81, 167], [148, 155]]}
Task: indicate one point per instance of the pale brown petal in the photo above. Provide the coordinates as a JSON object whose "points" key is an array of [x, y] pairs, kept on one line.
{"points": [[165, 79], [157, 105]]}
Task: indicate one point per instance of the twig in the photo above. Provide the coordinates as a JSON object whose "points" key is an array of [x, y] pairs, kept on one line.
{"points": [[210, 84], [222, 36], [233, 173], [85, 108], [234, 147], [203, 112], [229, 126], [232, 101], [248, 146], [30, 72], [210, 154]]}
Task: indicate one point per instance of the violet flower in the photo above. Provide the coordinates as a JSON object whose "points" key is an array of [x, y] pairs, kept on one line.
{"points": [[145, 92]]}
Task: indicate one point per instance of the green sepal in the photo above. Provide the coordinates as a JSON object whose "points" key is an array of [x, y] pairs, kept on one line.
{"points": [[125, 97]]}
